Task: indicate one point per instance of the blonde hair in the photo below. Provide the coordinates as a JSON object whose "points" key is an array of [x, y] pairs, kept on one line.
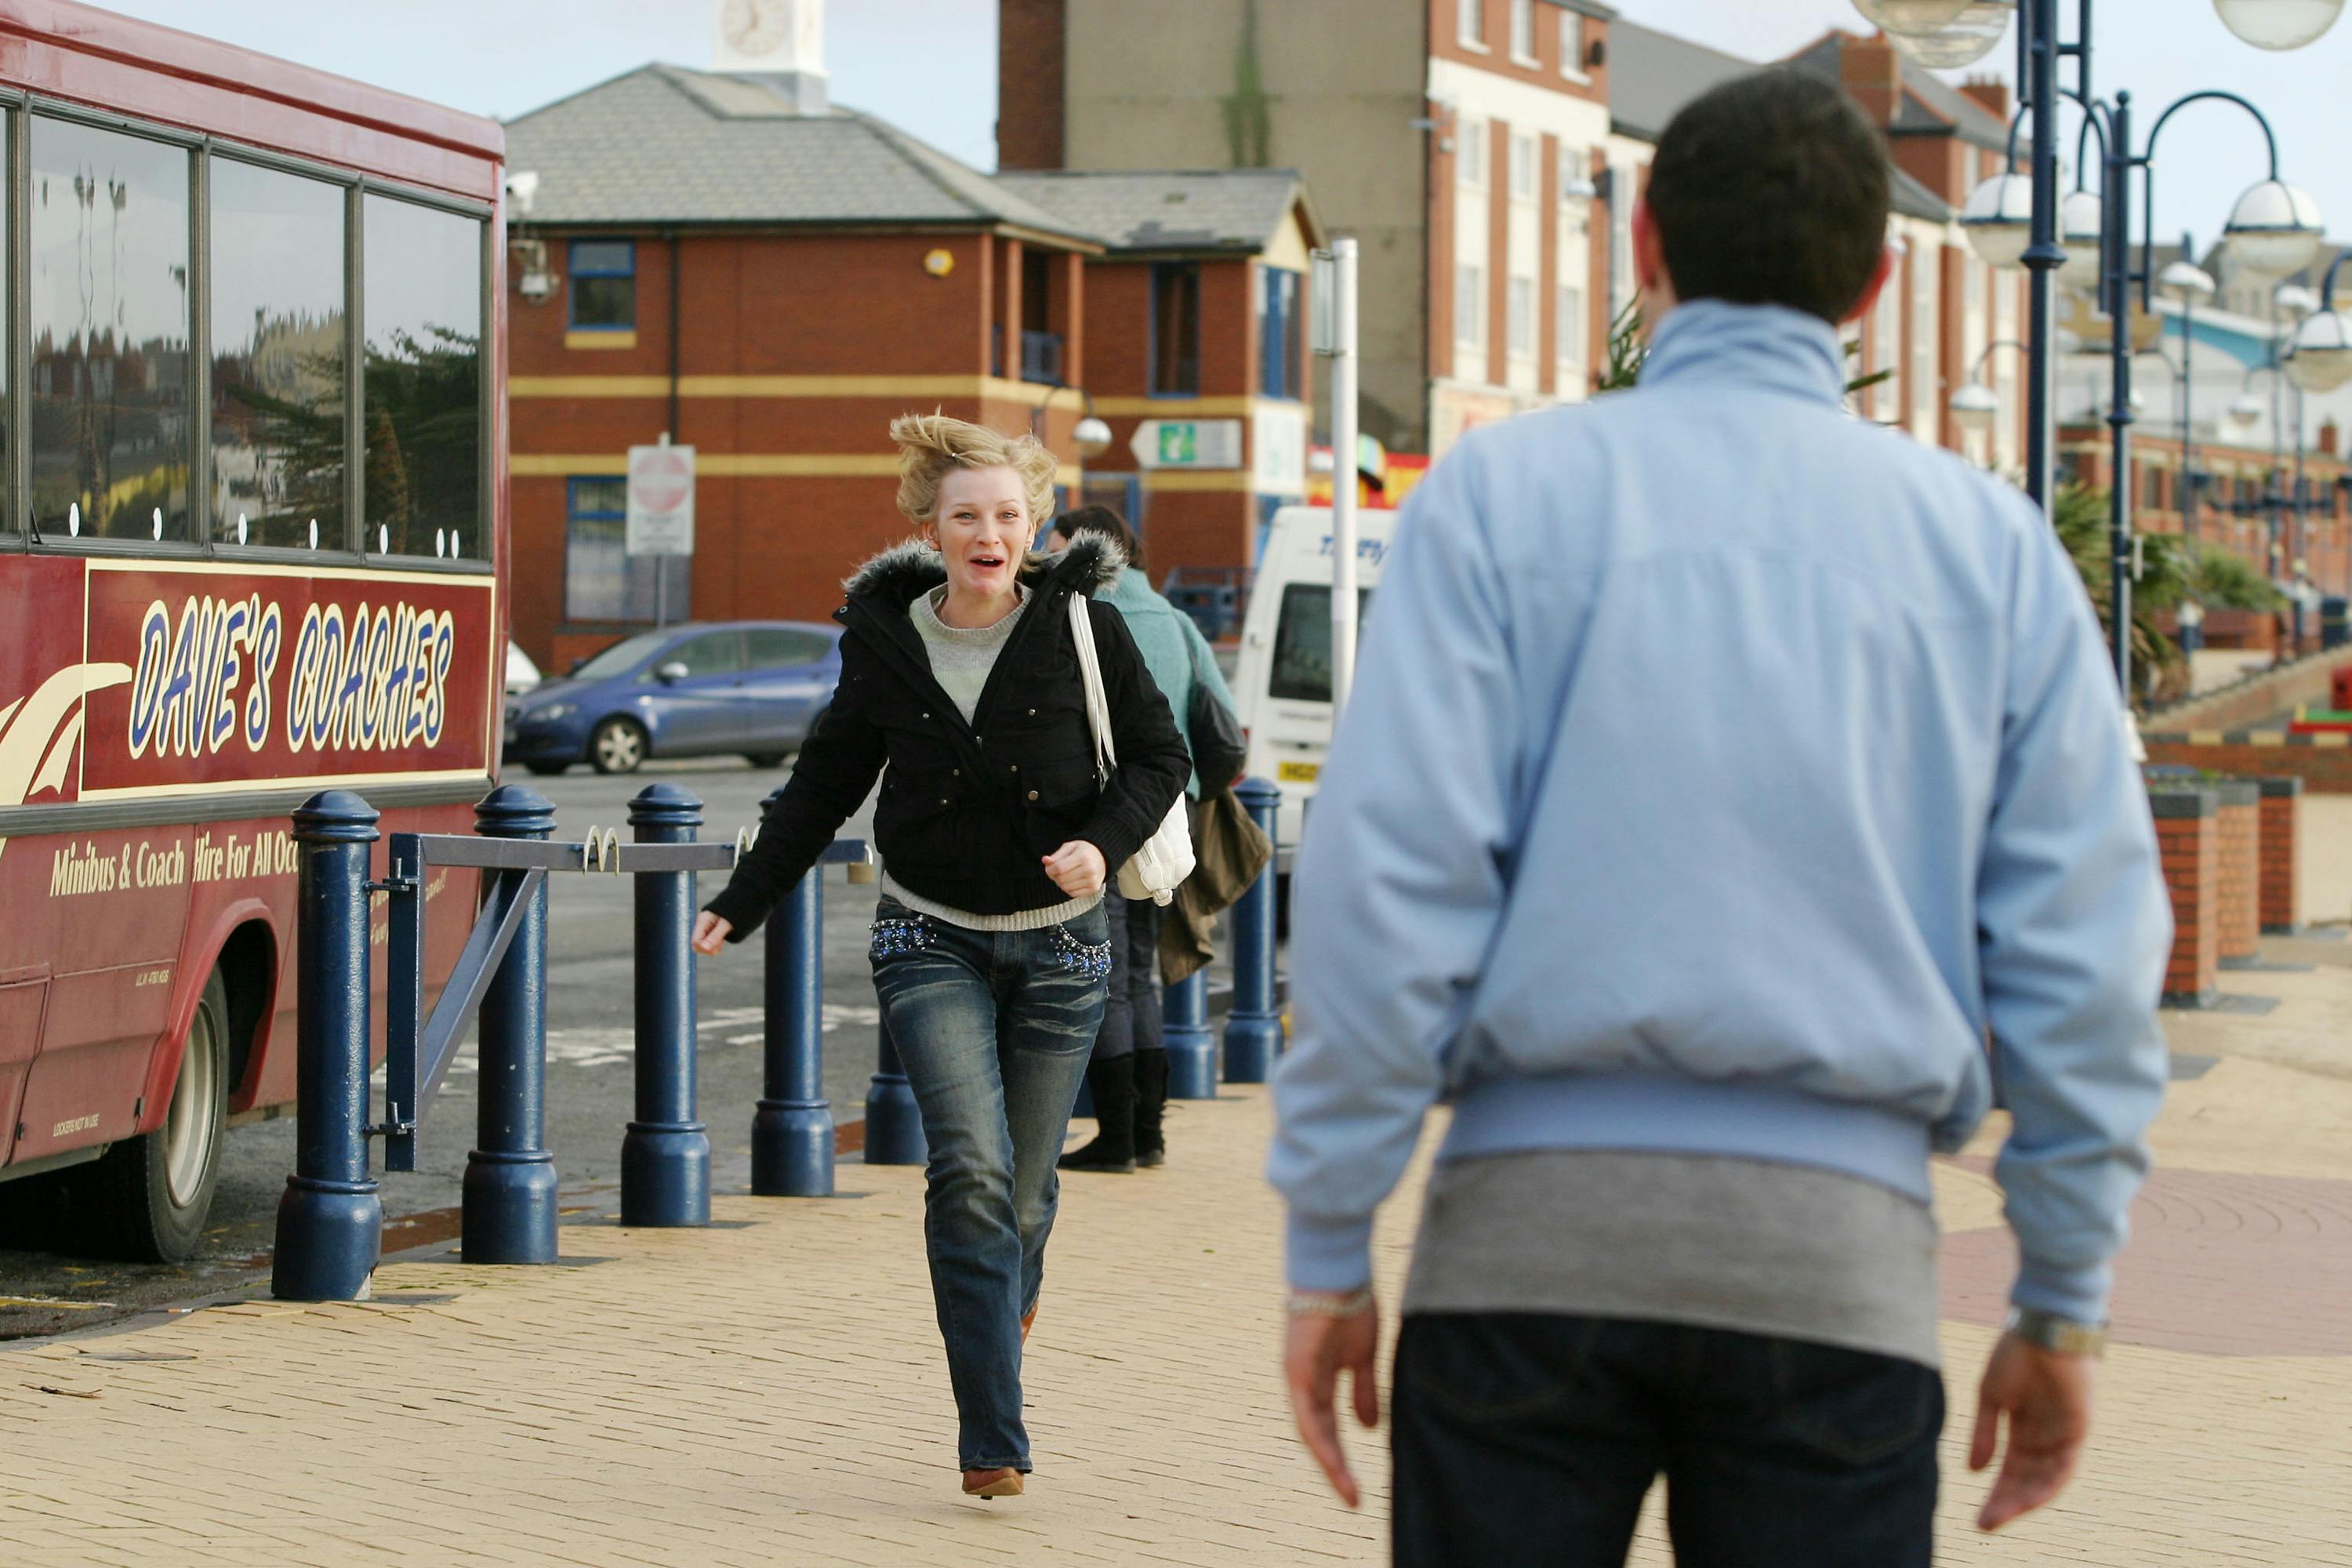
{"points": [[933, 445]]}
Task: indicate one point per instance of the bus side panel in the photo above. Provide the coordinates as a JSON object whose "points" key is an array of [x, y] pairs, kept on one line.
{"points": [[20, 1031]]}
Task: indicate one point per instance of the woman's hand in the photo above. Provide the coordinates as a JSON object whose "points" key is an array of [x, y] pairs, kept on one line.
{"points": [[710, 933], [1077, 868]]}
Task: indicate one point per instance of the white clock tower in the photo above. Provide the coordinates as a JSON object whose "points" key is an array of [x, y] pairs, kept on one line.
{"points": [[780, 43]]}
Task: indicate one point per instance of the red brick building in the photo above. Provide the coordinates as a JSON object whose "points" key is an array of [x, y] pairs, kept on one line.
{"points": [[1197, 314], [721, 257]]}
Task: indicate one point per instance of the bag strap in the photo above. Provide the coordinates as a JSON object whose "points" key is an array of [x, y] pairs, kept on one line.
{"points": [[1082, 633]]}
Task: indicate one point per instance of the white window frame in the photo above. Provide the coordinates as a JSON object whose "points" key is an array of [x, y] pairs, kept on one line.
{"points": [[1523, 32], [1525, 157], [1571, 170], [1519, 317], [1470, 25], [1569, 332], [1470, 325], [1470, 153], [1571, 44]]}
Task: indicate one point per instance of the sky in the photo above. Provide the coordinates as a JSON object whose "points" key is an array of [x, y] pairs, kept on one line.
{"points": [[931, 67]]}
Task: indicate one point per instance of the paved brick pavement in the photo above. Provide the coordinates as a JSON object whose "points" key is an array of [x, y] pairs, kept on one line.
{"points": [[771, 1390]]}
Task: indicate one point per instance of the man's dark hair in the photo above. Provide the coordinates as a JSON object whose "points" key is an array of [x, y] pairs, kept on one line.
{"points": [[1772, 189], [1104, 520]]}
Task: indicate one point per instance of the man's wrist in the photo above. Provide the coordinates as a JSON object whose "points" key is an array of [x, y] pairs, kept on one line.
{"points": [[2058, 1335], [1329, 1303]]}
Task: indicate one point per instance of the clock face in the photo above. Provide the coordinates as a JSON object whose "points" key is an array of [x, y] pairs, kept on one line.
{"points": [[754, 27]]}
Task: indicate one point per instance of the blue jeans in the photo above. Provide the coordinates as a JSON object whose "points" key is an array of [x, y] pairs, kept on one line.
{"points": [[994, 1028], [1528, 1438]]}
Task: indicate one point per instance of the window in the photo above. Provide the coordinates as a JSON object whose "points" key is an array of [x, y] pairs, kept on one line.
{"points": [[1523, 31], [622, 657], [1175, 330], [279, 368], [720, 653], [1519, 315], [604, 285], [1277, 332], [775, 647], [109, 399], [1886, 349], [1571, 43], [1472, 141], [1302, 642], [422, 421], [1569, 334], [1470, 22], [1571, 175], [1469, 304], [601, 581], [1523, 168]]}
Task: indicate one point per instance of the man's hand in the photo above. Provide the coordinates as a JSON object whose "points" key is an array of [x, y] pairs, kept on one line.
{"points": [[1319, 1348], [1076, 868], [710, 932], [2047, 1398]]}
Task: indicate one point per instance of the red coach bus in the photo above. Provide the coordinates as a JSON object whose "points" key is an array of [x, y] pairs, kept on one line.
{"points": [[256, 546]]}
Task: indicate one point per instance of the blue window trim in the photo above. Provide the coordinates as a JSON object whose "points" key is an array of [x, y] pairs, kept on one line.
{"points": [[571, 300], [572, 510], [1160, 272], [1279, 292]]}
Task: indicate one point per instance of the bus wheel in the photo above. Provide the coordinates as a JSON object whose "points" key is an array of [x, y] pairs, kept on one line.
{"points": [[155, 1190], [617, 746]]}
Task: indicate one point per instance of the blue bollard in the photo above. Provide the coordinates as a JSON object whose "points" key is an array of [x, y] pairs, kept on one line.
{"points": [[792, 1135], [1191, 1047], [1254, 1029], [894, 1122], [666, 1153], [329, 1220], [508, 1213]]}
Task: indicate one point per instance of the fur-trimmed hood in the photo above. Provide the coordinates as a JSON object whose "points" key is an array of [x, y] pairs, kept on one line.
{"points": [[1090, 565]]}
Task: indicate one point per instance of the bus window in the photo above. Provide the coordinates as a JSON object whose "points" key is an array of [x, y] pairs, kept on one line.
{"points": [[109, 244], [278, 360], [1302, 642], [422, 422]]}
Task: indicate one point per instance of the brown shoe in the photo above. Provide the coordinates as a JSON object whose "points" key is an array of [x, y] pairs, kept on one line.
{"points": [[996, 1483]]}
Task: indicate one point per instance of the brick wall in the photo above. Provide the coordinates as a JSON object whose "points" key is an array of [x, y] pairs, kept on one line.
{"points": [[2253, 701], [2186, 833], [2237, 889], [2324, 763], [2282, 822]]}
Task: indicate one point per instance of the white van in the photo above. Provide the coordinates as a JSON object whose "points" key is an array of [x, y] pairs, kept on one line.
{"points": [[1283, 677]]}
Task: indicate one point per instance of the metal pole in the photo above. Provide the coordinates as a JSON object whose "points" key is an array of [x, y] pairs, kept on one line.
{"points": [[1344, 365], [666, 1153], [1254, 1030], [1191, 1048], [894, 1123], [2119, 414], [329, 1220], [791, 1134], [2043, 256], [2187, 393], [509, 1215]]}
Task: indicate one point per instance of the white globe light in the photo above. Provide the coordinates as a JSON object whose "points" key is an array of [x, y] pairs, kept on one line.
{"points": [[2138, 404], [2080, 218], [1998, 218], [2275, 230], [1910, 16], [1963, 41], [2278, 24], [2184, 281], [2320, 358], [2295, 300], [1974, 407], [2245, 410], [1092, 435]]}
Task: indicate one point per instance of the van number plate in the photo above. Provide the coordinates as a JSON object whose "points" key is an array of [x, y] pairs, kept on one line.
{"points": [[1298, 773]]}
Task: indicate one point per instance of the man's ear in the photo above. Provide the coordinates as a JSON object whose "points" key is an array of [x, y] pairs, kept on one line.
{"points": [[1649, 250], [1871, 290]]}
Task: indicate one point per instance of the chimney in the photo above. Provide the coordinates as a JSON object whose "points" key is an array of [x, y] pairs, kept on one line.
{"points": [[1032, 62], [1990, 93], [2330, 438], [1872, 74], [779, 44]]}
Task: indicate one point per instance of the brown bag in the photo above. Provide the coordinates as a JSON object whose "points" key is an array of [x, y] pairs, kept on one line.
{"points": [[1229, 851]]}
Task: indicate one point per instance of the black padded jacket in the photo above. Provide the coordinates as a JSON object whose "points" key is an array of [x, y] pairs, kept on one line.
{"points": [[969, 811]]}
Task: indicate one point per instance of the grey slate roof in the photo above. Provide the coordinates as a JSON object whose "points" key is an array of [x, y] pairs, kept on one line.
{"points": [[1217, 209], [1651, 75], [663, 145], [1930, 104]]}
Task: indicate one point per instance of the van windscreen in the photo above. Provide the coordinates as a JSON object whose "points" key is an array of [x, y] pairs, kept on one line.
{"points": [[1302, 642]]}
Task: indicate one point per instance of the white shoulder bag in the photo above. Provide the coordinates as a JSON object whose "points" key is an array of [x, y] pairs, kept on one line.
{"points": [[1165, 858]]}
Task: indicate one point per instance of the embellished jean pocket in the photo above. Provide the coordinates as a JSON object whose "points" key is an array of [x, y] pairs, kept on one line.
{"points": [[896, 936], [1089, 960]]}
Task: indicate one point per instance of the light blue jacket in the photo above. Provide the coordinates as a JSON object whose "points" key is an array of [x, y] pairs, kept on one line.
{"points": [[1722, 770], [1174, 650]]}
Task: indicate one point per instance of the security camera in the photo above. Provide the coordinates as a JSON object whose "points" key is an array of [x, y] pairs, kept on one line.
{"points": [[522, 187], [536, 287]]}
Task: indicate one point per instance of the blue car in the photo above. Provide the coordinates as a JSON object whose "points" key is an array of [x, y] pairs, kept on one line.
{"points": [[702, 688]]}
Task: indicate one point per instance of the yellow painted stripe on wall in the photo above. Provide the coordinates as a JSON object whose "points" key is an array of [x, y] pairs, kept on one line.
{"points": [[905, 388], [1177, 407], [1199, 480], [600, 340]]}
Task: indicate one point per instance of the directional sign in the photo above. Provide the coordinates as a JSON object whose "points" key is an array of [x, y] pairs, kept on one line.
{"points": [[1188, 444], [661, 501]]}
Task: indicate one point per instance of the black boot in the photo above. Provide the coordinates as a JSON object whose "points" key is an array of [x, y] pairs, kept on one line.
{"points": [[1150, 1101], [1112, 1079]]}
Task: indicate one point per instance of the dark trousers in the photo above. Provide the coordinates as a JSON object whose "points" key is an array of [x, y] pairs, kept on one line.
{"points": [[1131, 1010], [1526, 1439]]}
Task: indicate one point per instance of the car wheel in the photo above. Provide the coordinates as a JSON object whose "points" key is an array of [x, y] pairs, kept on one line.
{"points": [[548, 770], [154, 1192], [764, 759], [618, 746]]}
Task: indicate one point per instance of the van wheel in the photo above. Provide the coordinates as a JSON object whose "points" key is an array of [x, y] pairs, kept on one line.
{"points": [[154, 1192], [618, 746]]}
